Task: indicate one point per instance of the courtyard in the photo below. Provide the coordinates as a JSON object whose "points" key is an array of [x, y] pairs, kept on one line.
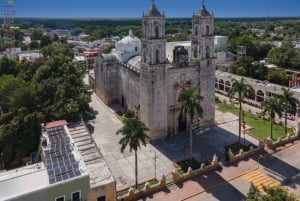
{"points": [[159, 156]]}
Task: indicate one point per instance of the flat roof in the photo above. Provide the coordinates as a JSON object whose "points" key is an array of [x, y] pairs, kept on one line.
{"points": [[23, 180]]}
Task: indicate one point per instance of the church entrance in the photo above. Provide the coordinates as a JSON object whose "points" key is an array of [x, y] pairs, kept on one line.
{"points": [[181, 124]]}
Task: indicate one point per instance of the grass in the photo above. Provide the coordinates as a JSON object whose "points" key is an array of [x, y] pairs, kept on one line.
{"points": [[261, 127], [139, 187]]}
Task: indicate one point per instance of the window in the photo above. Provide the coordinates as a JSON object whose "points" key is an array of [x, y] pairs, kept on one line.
{"points": [[102, 198], [156, 32], [76, 196], [207, 30], [60, 198], [157, 57]]}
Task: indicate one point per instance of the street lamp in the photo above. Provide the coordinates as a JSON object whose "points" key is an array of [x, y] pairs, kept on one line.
{"points": [[154, 158]]}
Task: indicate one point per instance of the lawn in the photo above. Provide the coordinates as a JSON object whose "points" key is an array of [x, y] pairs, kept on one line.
{"points": [[261, 127]]}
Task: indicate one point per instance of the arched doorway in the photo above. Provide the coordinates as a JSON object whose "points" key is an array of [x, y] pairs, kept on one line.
{"points": [[227, 86], [260, 96], [221, 85], [216, 83], [181, 124]]}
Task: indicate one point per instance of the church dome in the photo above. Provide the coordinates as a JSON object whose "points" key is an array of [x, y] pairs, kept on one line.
{"points": [[129, 43]]}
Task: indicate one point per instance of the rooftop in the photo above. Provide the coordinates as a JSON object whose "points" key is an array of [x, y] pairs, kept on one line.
{"points": [[15, 182]]}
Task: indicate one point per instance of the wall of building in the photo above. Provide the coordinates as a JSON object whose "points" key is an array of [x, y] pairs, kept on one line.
{"points": [[62, 189], [106, 80], [177, 79], [109, 191], [128, 88]]}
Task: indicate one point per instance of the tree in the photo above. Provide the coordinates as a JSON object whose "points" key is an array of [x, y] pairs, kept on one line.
{"points": [[276, 193], [271, 106], [253, 194], [240, 90], [45, 40], [288, 102], [133, 135], [190, 106]]}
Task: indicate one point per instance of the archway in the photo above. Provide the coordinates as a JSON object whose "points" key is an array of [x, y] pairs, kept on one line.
{"points": [[221, 84], [156, 32], [216, 83], [227, 86], [260, 96], [157, 57], [181, 124]]}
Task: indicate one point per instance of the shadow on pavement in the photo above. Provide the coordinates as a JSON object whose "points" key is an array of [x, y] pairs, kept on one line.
{"points": [[281, 171], [205, 145]]}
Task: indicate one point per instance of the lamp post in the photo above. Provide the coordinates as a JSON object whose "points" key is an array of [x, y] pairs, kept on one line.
{"points": [[155, 157]]}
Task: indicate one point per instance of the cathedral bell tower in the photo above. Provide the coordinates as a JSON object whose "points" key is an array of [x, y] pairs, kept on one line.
{"points": [[153, 98], [202, 52]]}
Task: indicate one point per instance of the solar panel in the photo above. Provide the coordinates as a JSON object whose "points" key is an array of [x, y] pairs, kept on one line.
{"points": [[60, 161]]}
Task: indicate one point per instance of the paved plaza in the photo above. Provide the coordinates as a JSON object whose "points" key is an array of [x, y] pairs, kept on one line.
{"points": [[158, 157]]}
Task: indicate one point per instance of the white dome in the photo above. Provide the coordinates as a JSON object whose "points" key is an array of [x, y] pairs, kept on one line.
{"points": [[129, 43]]}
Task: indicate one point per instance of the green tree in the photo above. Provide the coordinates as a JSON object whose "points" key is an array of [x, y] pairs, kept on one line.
{"points": [[276, 193], [36, 34], [34, 45], [133, 135], [240, 90], [271, 106], [288, 102], [190, 106], [254, 194], [45, 40]]}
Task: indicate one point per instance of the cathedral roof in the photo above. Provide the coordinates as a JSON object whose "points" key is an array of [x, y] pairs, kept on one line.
{"points": [[109, 57], [153, 11], [203, 11]]}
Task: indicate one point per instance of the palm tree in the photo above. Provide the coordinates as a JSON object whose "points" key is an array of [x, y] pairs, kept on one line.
{"points": [[133, 135], [288, 102], [190, 105], [240, 90], [272, 107]]}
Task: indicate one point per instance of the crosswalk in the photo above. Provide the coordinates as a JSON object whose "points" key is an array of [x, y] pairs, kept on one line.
{"points": [[259, 180]]}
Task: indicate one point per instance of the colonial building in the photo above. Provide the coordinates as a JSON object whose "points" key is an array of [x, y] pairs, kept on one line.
{"points": [[139, 75]]}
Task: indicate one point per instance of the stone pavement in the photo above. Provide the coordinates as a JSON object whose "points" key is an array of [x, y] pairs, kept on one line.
{"points": [[158, 157]]}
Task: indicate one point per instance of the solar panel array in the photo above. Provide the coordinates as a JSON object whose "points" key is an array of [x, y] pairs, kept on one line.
{"points": [[60, 161]]}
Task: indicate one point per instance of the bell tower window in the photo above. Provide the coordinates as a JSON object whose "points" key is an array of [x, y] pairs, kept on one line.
{"points": [[195, 52], [196, 30], [207, 30], [157, 57], [207, 52], [156, 32]]}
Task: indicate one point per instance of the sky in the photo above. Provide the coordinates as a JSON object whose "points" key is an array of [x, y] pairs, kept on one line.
{"points": [[135, 8]]}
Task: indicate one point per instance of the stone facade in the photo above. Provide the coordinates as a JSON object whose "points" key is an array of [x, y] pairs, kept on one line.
{"points": [[150, 85]]}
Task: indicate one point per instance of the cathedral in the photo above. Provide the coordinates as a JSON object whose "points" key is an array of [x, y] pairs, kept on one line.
{"points": [[147, 75]]}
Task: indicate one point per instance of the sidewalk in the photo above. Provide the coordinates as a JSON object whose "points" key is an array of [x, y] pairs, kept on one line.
{"points": [[201, 183]]}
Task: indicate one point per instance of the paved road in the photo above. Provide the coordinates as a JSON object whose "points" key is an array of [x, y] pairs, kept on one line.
{"points": [[284, 167]]}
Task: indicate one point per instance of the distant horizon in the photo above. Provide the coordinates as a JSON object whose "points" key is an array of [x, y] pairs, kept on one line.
{"points": [[136, 18], [135, 8]]}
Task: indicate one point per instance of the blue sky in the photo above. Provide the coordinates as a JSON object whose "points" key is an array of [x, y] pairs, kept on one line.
{"points": [[135, 8]]}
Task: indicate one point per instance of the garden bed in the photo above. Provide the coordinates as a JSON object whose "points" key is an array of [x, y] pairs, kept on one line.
{"points": [[139, 187]]}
